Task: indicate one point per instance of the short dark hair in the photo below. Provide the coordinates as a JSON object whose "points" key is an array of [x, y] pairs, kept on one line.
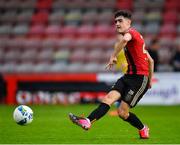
{"points": [[124, 13]]}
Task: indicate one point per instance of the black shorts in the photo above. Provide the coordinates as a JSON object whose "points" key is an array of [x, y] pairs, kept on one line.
{"points": [[132, 88]]}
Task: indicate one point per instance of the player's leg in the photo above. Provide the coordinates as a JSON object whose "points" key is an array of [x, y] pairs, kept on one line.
{"points": [[104, 107], [134, 92], [124, 114], [131, 118], [99, 112], [115, 94]]}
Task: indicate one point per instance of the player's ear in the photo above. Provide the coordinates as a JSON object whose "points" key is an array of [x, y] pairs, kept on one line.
{"points": [[129, 21]]}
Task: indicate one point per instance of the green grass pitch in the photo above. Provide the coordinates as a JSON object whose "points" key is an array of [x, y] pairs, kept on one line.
{"points": [[51, 125]]}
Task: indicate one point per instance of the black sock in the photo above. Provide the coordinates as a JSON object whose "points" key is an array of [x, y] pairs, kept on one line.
{"points": [[134, 121], [99, 112]]}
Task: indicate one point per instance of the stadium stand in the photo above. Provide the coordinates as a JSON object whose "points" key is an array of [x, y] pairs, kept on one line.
{"points": [[77, 35]]}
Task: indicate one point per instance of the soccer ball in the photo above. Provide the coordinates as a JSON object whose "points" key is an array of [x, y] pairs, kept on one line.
{"points": [[23, 115]]}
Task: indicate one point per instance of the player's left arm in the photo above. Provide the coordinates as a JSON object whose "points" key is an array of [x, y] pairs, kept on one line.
{"points": [[151, 68], [119, 45]]}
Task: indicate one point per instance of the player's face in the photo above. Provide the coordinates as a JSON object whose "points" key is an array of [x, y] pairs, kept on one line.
{"points": [[122, 24]]}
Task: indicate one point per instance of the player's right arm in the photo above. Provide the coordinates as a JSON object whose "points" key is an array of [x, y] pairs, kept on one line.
{"points": [[119, 45]]}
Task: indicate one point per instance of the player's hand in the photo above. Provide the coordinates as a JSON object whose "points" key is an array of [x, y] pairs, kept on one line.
{"points": [[112, 61]]}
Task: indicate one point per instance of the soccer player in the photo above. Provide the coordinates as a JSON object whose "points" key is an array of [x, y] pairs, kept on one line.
{"points": [[131, 87]]}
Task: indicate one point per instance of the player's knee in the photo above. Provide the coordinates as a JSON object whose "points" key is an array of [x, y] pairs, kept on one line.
{"points": [[107, 100], [111, 97], [123, 114]]}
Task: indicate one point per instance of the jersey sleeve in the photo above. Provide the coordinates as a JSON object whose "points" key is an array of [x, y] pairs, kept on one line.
{"points": [[132, 32]]}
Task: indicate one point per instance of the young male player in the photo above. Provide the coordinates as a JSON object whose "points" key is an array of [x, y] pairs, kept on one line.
{"points": [[131, 87]]}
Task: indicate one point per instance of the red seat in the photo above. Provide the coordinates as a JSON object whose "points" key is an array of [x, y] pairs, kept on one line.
{"points": [[171, 5], [168, 30], [65, 42], [31, 43], [37, 31], [69, 31], [170, 17], [44, 4], [124, 4], [85, 31], [104, 31], [52, 31], [40, 18], [82, 42]]}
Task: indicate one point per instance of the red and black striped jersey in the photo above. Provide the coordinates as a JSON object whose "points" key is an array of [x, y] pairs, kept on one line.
{"points": [[136, 55]]}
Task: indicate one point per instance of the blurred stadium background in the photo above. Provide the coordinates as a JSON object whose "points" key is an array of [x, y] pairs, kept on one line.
{"points": [[55, 51]]}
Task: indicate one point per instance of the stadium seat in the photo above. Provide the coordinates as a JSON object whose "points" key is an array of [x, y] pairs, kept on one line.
{"points": [[170, 17], [106, 4], [171, 5], [75, 67], [16, 43], [24, 17], [20, 30], [3, 42], [92, 67], [138, 26], [12, 55], [105, 17], [124, 4], [40, 18], [52, 31], [79, 55], [29, 55], [166, 41], [61, 55], [138, 16], [50, 42], [73, 17], [103, 30], [58, 67], [8, 66], [139, 5], [59, 4], [165, 54], [25, 67], [109, 42], [82, 42], [12, 4], [57, 35], [85, 31], [153, 16], [45, 55], [168, 30], [9, 17], [90, 17], [33, 43], [41, 67], [44, 5], [56, 17], [100, 42], [65, 42], [69, 31], [26, 5], [5, 30], [2, 3], [94, 55], [155, 5], [152, 28], [37, 30]]}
